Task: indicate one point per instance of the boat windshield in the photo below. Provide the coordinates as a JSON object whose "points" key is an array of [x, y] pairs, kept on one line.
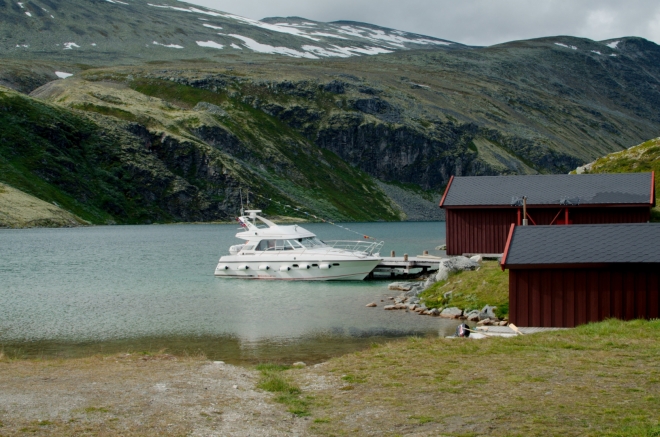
{"points": [[311, 242], [265, 245], [299, 243]]}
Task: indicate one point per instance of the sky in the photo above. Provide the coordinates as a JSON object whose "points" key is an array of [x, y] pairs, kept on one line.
{"points": [[473, 22]]}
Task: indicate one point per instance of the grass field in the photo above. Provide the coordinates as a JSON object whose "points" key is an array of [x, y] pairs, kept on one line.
{"points": [[596, 380]]}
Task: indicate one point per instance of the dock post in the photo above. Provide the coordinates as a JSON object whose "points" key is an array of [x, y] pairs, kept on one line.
{"points": [[405, 257], [426, 252], [392, 254]]}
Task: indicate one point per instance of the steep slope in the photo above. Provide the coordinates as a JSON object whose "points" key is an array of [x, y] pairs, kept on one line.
{"points": [[108, 170], [644, 157]]}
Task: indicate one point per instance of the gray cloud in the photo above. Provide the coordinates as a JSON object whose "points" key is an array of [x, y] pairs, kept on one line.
{"points": [[474, 22]]}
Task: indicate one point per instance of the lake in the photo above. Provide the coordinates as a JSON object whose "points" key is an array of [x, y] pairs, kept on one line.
{"points": [[108, 289]]}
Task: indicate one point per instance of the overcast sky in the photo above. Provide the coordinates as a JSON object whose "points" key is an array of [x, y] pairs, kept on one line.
{"points": [[474, 22]]}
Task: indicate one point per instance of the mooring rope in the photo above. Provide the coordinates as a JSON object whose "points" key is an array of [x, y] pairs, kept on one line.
{"points": [[300, 210]]}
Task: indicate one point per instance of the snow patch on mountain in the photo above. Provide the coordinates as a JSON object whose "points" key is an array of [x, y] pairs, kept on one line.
{"points": [[613, 44], [171, 46], [564, 45], [63, 74], [328, 35], [70, 45], [211, 44], [273, 27], [190, 9], [210, 26], [265, 48]]}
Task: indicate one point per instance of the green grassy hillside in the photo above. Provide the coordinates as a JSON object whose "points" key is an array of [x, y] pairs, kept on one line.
{"points": [[109, 165], [642, 158]]}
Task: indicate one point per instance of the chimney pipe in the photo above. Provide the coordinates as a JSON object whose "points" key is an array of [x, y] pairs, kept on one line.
{"points": [[525, 222]]}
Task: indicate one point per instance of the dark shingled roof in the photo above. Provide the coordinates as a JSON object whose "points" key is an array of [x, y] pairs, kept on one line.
{"points": [[585, 244], [586, 189]]}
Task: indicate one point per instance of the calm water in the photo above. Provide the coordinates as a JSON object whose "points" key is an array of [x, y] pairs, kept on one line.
{"points": [[73, 292]]}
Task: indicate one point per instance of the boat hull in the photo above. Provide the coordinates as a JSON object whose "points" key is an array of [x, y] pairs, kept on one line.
{"points": [[332, 270]]}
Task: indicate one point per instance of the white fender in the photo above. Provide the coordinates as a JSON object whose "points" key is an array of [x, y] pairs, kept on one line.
{"points": [[285, 268], [244, 267], [264, 267], [325, 266], [305, 266]]}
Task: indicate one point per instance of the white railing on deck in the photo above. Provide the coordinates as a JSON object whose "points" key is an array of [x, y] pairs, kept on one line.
{"points": [[367, 247]]}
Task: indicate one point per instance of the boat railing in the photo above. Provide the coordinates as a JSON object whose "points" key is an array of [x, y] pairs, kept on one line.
{"points": [[368, 247]]}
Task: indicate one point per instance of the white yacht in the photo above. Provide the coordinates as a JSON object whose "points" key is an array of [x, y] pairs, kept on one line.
{"points": [[293, 253]]}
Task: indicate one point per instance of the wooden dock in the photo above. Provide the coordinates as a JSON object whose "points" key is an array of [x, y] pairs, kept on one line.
{"points": [[406, 264]]}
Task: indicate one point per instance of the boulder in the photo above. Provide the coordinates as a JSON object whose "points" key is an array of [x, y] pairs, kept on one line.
{"points": [[210, 108], [472, 316], [411, 306], [459, 263], [400, 286], [299, 364], [443, 274], [484, 322], [389, 307], [504, 323], [371, 305], [477, 258], [451, 313], [487, 312]]}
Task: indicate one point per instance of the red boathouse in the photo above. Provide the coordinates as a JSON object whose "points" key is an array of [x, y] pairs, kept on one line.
{"points": [[480, 209], [564, 276]]}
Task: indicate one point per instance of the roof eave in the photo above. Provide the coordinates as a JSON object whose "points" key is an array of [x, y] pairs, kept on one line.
{"points": [[581, 265], [554, 205], [444, 196]]}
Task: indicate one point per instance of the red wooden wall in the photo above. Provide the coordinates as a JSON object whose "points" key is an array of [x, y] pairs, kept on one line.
{"points": [[565, 297], [485, 230]]}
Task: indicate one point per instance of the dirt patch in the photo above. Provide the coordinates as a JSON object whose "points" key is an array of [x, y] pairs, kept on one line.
{"points": [[133, 395]]}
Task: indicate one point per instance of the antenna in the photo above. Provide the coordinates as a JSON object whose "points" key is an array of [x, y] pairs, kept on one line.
{"points": [[240, 194]]}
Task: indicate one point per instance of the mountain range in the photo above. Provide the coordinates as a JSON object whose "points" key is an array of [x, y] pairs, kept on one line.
{"points": [[134, 112]]}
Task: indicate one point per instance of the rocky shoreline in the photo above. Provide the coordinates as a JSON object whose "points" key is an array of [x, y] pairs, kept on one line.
{"points": [[409, 298]]}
